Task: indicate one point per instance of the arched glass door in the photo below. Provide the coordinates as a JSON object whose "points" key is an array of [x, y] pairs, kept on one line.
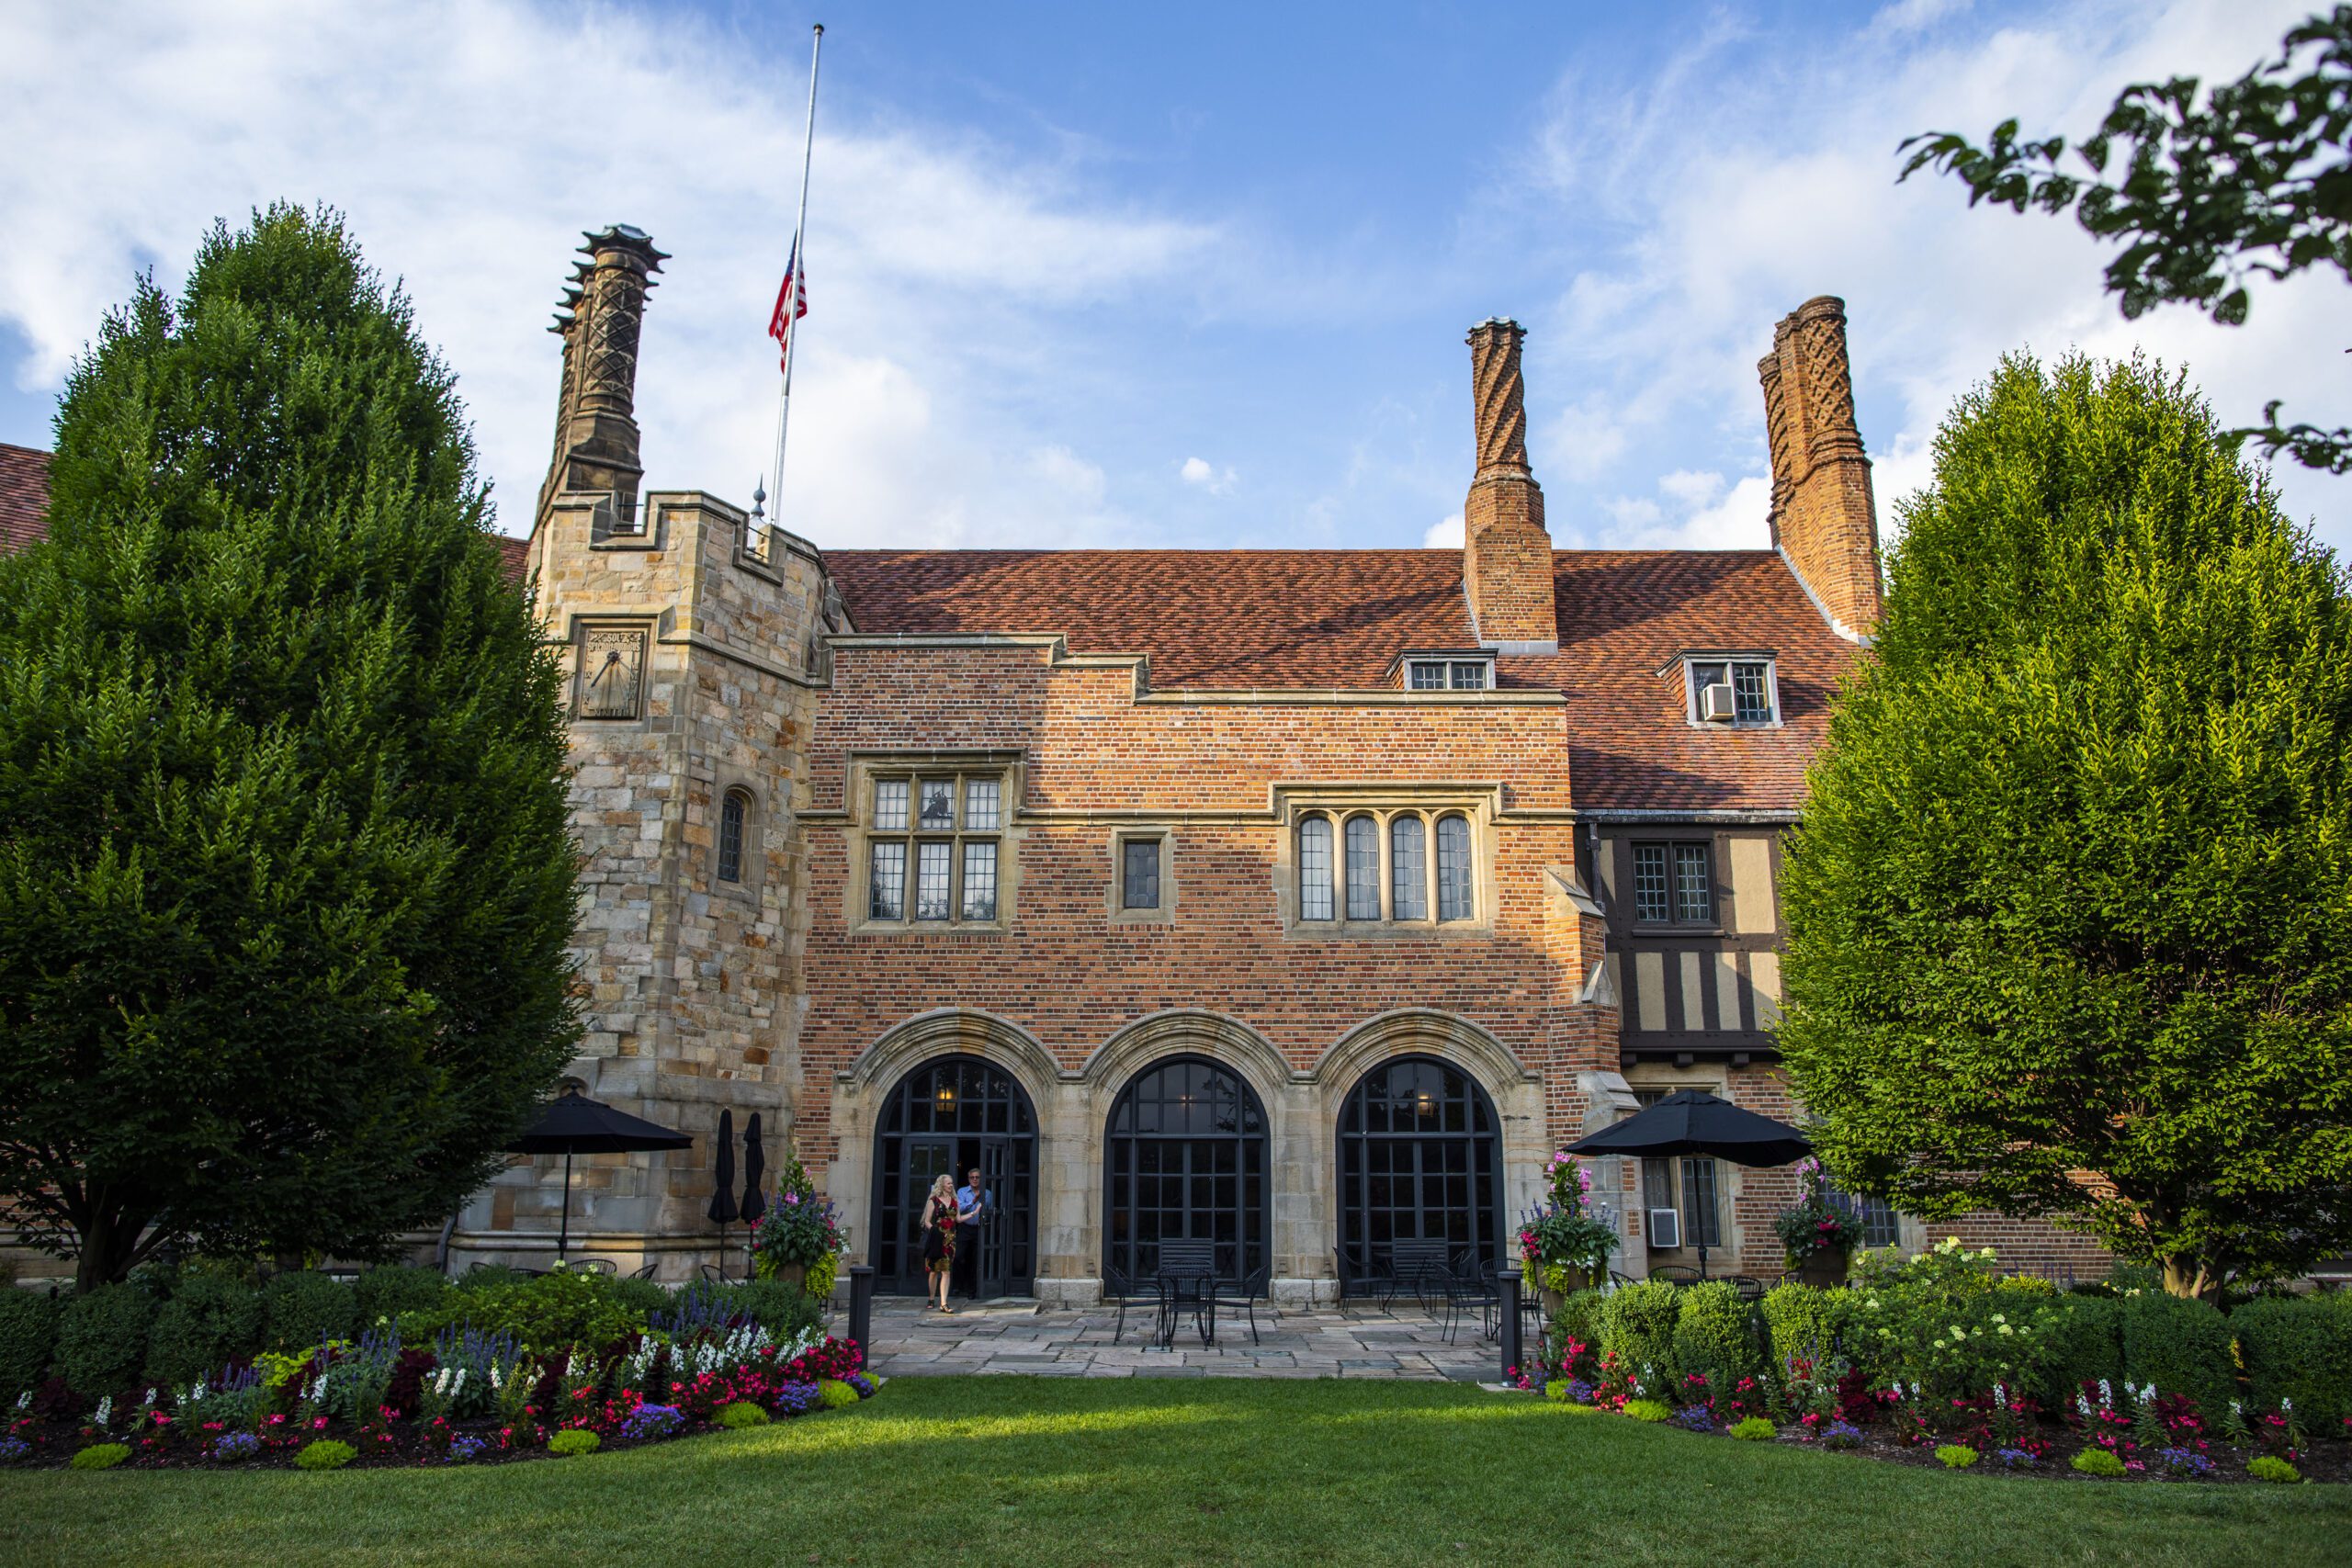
{"points": [[1419, 1160], [954, 1115], [1185, 1160]]}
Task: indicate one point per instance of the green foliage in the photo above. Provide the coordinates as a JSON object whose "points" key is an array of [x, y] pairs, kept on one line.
{"points": [[2182, 1346], [2270, 1468], [1637, 1325], [1578, 1318], [837, 1394], [286, 882], [397, 1288], [574, 1440], [210, 1320], [327, 1453], [2298, 1349], [818, 1284], [102, 1338], [1648, 1409], [1565, 1233], [550, 1313], [1754, 1429], [782, 1308], [99, 1456], [2074, 869], [2246, 180], [1715, 1336], [1806, 1322], [639, 1295], [304, 1307], [1555, 1389], [27, 1339], [2095, 1462], [742, 1414], [1949, 1321], [2086, 1345], [1956, 1456]]}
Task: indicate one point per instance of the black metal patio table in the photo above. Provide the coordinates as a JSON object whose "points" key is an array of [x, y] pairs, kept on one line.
{"points": [[1187, 1278]]}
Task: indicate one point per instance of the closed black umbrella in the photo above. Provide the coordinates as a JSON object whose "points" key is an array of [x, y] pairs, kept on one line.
{"points": [[755, 1166], [722, 1196], [575, 1125], [1692, 1123]]}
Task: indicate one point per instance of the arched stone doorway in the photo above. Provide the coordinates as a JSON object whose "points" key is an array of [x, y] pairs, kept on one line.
{"points": [[952, 1114], [1184, 1158], [1420, 1159]]}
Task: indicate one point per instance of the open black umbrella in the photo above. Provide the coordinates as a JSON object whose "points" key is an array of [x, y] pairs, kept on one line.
{"points": [[575, 1125], [1693, 1122], [722, 1196], [755, 1166]]}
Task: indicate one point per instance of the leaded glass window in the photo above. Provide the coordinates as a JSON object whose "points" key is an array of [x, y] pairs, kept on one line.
{"points": [[1315, 869], [1453, 898], [934, 847], [1652, 897], [1693, 899], [1139, 874], [1674, 884], [1408, 896], [1363, 869], [731, 811]]}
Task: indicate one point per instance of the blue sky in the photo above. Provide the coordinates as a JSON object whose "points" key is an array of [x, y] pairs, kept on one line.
{"points": [[1196, 276]]}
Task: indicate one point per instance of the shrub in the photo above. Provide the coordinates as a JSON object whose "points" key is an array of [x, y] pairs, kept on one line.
{"points": [[325, 1454], [638, 1295], [28, 1340], [1648, 1409], [2181, 1345], [1957, 1456], [304, 1307], [548, 1314], [1807, 1321], [2086, 1345], [781, 1307], [1557, 1389], [2298, 1348], [211, 1320], [1637, 1326], [398, 1287], [742, 1414], [102, 1338], [574, 1440], [2269, 1467], [1754, 1429], [1579, 1318], [99, 1456], [1715, 1335], [2098, 1461]]}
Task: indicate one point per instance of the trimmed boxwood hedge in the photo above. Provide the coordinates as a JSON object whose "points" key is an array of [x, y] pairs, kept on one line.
{"points": [[210, 1320], [2298, 1348], [1716, 1337], [102, 1338], [27, 1339], [1637, 1325], [2181, 1345], [301, 1308]]}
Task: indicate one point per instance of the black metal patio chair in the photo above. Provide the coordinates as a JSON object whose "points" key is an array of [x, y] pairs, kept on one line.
{"points": [[1468, 1291], [1243, 1295], [1120, 1290], [1186, 1277], [1422, 1265]]}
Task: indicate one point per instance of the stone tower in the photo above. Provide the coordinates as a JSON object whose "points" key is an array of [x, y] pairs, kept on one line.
{"points": [[1823, 520], [693, 653], [1506, 550]]}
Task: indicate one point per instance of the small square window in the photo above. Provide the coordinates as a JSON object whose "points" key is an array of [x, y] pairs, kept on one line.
{"points": [[1674, 885], [1470, 677], [1139, 874], [890, 805], [1428, 675], [1750, 682], [980, 800]]}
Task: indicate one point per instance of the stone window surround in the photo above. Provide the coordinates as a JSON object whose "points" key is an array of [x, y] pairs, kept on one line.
{"points": [[863, 768], [1120, 915], [1680, 667], [1384, 803], [727, 782]]}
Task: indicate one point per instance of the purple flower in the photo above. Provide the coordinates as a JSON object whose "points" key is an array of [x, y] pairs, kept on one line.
{"points": [[652, 1421], [799, 1399]]}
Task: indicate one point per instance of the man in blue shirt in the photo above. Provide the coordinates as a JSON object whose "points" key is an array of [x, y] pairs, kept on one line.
{"points": [[971, 1203]]}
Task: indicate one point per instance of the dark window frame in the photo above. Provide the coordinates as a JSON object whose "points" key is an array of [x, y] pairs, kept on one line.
{"points": [[1676, 891]]}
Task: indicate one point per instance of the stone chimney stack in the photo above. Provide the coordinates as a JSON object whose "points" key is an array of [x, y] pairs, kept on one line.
{"points": [[1823, 521], [597, 437], [1505, 552]]}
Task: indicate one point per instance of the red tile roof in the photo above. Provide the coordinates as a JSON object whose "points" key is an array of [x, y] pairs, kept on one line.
{"points": [[24, 497], [1221, 619]]}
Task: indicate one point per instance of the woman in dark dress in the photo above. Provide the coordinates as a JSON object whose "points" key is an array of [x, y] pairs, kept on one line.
{"points": [[939, 1238]]}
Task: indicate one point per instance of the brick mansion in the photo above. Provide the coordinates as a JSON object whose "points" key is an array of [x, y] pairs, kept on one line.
{"points": [[1303, 901]]}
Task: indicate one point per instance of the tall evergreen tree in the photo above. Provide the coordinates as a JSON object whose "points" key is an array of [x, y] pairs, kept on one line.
{"points": [[2070, 911], [284, 875]]}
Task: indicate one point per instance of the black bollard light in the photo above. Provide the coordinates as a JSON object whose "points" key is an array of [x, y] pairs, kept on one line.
{"points": [[1507, 1287], [861, 1306]]}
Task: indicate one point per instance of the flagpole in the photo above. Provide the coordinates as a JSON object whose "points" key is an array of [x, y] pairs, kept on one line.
{"points": [[799, 270]]}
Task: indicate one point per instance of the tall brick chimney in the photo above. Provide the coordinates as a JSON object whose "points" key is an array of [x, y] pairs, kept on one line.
{"points": [[596, 437], [1823, 521], [1505, 552]]}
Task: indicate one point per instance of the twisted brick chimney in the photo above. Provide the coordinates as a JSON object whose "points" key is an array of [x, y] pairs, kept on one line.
{"points": [[1823, 521], [595, 428], [1506, 551]]}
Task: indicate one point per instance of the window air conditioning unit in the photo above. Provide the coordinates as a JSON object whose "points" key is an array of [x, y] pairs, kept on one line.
{"points": [[1715, 706], [1666, 1229]]}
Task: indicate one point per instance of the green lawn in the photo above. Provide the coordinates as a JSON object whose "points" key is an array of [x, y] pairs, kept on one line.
{"points": [[1041, 1472]]}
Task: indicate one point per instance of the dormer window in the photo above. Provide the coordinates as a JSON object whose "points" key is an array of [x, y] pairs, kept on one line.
{"points": [[1452, 673], [1737, 691]]}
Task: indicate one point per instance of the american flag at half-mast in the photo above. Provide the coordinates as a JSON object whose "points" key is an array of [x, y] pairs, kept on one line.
{"points": [[793, 296]]}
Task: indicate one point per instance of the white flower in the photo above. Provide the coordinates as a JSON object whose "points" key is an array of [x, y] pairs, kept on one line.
{"points": [[1873, 1304], [2285, 1402], [106, 1411], [2004, 1328]]}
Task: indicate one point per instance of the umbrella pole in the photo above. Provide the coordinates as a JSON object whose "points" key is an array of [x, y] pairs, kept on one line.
{"points": [[563, 1232]]}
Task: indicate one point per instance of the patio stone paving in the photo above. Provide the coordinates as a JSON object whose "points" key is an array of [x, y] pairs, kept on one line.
{"points": [[1020, 1337]]}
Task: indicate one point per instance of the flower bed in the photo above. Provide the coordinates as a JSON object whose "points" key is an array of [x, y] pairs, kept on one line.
{"points": [[469, 1397], [1929, 1360]]}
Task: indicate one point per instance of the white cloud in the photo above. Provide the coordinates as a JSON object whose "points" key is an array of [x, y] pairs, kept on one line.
{"points": [[1698, 514], [470, 142], [1445, 533], [1702, 202], [1912, 15], [1205, 475], [1691, 490]]}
